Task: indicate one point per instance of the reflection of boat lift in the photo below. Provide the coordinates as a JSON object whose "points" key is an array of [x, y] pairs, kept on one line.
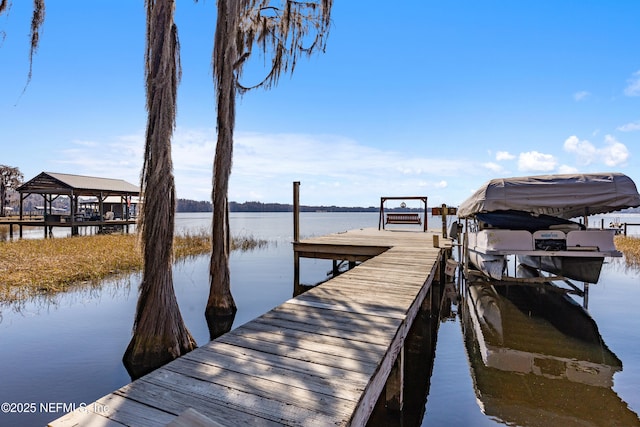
{"points": [[495, 320], [535, 277], [511, 350]]}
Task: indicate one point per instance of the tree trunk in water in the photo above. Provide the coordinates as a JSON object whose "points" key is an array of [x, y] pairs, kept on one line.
{"points": [[220, 303], [159, 334], [241, 24]]}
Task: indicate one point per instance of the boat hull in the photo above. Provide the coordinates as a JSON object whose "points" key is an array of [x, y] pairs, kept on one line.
{"points": [[492, 266], [575, 254], [584, 269]]}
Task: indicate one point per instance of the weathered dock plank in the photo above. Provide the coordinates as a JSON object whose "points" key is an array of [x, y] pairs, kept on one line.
{"points": [[290, 364], [306, 379], [323, 321], [375, 309], [284, 331], [227, 405], [319, 359], [296, 352]]}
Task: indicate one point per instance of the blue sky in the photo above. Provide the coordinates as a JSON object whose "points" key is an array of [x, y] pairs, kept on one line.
{"points": [[415, 98]]}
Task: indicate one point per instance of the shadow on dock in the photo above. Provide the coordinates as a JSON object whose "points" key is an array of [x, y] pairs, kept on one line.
{"points": [[420, 349]]}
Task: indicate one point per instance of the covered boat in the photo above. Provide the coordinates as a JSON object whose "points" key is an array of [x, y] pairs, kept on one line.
{"points": [[531, 217]]}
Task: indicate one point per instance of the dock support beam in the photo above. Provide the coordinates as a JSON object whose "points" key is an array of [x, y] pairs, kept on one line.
{"points": [[444, 210], [296, 211], [296, 232], [395, 384], [296, 269], [585, 296]]}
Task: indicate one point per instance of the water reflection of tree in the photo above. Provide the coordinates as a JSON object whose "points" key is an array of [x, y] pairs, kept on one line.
{"points": [[79, 293], [117, 285], [623, 265]]}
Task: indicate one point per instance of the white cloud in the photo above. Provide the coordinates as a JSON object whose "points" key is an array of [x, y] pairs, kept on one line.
{"points": [[533, 161], [581, 96], [269, 163], [633, 85], [433, 184], [567, 169], [584, 150], [121, 158], [191, 151], [630, 127], [85, 143], [332, 169], [571, 143], [614, 153], [493, 167], [504, 155]]}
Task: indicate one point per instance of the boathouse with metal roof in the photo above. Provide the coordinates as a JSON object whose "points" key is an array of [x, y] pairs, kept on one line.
{"points": [[51, 185]]}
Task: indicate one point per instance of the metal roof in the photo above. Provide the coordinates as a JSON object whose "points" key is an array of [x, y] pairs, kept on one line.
{"points": [[62, 183]]}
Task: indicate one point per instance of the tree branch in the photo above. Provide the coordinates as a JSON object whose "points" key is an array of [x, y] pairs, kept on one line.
{"points": [[282, 35]]}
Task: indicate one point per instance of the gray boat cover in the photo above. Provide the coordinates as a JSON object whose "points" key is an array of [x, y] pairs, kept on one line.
{"points": [[564, 196]]}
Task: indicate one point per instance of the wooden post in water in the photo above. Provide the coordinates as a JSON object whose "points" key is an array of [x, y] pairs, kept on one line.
{"points": [[444, 220], [296, 232], [395, 384], [585, 296], [21, 215], [296, 211]]}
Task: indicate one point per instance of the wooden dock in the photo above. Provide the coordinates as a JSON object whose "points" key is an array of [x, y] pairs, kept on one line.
{"points": [[48, 225], [321, 358]]}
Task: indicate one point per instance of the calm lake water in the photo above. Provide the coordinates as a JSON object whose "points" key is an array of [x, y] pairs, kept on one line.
{"points": [[66, 350]]}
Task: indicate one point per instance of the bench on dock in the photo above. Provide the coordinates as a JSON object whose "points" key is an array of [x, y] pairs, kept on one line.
{"points": [[404, 218]]}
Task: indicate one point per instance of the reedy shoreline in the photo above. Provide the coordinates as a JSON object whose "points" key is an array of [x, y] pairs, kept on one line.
{"points": [[32, 267], [630, 247]]}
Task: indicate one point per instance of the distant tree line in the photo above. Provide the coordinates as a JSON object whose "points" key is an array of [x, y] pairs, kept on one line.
{"points": [[185, 205], [259, 207], [631, 210], [285, 207]]}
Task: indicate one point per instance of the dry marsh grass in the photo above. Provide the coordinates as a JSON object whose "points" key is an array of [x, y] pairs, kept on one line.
{"points": [[46, 266], [630, 246]]}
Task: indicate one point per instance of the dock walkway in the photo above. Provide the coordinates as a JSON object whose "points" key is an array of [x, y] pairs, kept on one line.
{"points": [[319, 359]]}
